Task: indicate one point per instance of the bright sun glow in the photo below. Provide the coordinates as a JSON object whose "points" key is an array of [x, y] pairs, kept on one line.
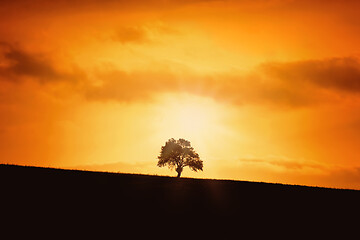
{"points": [[190, 117], [193, 119]]}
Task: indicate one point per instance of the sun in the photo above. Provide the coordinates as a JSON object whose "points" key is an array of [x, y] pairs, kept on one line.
{"points": [[188, 116]]}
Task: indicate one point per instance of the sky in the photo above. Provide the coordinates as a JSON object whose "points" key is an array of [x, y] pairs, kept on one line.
{"points": [[265, 90]]}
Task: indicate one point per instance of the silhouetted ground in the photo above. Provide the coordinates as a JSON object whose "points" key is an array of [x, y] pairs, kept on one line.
{"points": [[84, 198]]}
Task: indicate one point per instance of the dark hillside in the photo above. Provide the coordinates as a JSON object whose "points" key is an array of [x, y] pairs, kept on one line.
{"points": [[98, 196]]}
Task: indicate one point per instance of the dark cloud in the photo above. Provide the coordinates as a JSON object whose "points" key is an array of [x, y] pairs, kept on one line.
{"points": [[143, 34], [236, 88], [131, 35], [19, 64], [257, 88], [291, 84], [9, 7], [334, 74]]}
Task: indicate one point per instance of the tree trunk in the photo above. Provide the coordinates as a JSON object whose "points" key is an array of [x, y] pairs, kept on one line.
{"points": [[179, 170]]}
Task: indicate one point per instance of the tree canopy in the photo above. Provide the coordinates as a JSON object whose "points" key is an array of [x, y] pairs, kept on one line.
{"points": [[179, 154]]}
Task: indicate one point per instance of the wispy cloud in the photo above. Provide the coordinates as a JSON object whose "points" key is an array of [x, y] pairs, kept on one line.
{"points": [[334, 74], [291, 84], [148, 33], [20, 64], [131, 35], [138, 167], [286, 163], [282, 84], [295, 171]]}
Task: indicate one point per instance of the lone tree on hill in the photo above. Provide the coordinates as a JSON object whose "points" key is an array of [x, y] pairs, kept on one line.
{"points": [[179, 154]]}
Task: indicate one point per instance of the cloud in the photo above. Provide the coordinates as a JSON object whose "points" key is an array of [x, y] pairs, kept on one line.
{"points": [[345, 177], [254, 87], [122, 86], [18, 64], [131, 35], [137, 167], [144, 34], [281, 84], [286, 170], [334, 74], [285, 163], [61, 6]]}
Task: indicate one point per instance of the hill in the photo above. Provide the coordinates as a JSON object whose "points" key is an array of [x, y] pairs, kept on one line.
{"points": [[86, 196]]}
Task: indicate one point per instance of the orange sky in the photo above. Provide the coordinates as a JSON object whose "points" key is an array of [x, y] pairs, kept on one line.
{"points": [[265, 90]]}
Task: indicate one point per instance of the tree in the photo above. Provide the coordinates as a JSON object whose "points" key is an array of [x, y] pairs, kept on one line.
{"points": [[179, 154]]}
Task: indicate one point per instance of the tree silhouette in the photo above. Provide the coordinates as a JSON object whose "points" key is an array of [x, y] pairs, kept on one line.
{"points": [[179, 154]]}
